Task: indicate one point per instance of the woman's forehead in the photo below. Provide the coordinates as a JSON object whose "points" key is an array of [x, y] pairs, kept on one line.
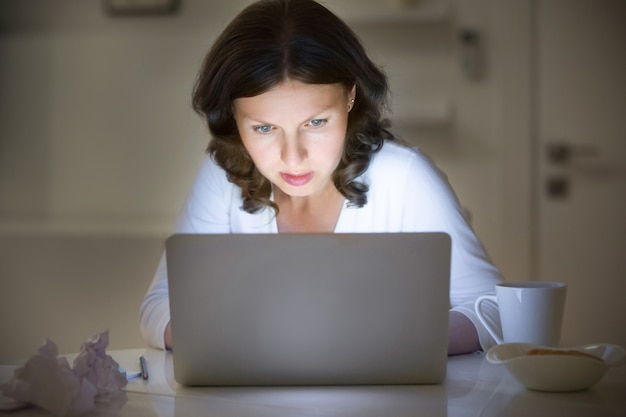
{"points": [[293, 96]]}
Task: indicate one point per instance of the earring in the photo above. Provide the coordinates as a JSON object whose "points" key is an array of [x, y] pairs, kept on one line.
{"points": [[350, 104]]}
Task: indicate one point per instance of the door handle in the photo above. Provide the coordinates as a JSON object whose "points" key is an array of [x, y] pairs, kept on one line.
{"points": [[562, 152]]}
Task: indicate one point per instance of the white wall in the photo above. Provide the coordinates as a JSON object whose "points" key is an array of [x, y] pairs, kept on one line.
{"points": [[98, 139], [69, 287], [96, 126]]}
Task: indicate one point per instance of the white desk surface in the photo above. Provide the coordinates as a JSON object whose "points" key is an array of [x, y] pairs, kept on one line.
{"points": [[473, 387]]}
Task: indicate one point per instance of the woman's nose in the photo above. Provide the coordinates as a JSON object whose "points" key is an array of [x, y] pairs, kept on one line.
{"points": [[293, 152]]}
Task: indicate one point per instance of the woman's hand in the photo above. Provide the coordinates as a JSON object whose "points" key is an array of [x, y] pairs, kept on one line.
{"points": [[462, 335]]}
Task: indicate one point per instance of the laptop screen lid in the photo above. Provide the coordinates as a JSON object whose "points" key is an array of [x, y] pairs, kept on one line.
{"points": [[309, 309]]}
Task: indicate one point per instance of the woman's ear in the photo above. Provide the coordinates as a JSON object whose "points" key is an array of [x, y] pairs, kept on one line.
{"points": [[351, 97], [352, 94]]}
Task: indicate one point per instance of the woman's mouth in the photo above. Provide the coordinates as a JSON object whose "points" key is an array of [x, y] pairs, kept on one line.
{"points": [[297, 180]]}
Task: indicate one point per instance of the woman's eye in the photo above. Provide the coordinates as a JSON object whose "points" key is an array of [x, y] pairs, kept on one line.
{"points": [[263, 129], [318, 122]]}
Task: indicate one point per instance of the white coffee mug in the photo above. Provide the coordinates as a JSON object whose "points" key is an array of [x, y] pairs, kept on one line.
{"points": [[529, 311]]}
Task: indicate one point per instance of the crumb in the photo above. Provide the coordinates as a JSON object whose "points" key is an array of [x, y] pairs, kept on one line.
{"points": [[540, 351]]}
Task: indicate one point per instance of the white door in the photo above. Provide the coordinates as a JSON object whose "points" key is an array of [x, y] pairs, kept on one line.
{"points": [[580, 68]]}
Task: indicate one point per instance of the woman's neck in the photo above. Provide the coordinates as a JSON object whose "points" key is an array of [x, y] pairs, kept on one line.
{"points": [[310, 214]]}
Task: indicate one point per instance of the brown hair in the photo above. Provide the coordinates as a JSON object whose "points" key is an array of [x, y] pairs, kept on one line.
{"points": [[272, 40]]}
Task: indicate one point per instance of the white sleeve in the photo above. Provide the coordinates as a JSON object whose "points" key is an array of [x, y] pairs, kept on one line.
{"points": [[206, 210], [154, 314], [472, 273]]}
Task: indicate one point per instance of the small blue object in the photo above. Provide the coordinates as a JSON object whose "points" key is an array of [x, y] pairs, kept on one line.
{"points": [[129, 375]]}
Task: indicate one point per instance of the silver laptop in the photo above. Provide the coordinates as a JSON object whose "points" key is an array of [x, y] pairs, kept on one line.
{"points": [[309, 309]]}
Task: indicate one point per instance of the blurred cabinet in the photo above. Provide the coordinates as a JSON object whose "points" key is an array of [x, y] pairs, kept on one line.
{"points": [[415, 42]]}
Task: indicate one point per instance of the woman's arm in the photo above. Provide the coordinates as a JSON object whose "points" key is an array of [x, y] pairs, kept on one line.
{"points": [[206, 210], [154, 313], [431, 204]]}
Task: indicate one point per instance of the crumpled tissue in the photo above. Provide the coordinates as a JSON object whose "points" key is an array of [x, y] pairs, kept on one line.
{"points": [[47, 381]]}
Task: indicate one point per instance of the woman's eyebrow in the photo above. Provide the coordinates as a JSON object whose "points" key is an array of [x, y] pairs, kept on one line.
{"points": [[254, 120]]}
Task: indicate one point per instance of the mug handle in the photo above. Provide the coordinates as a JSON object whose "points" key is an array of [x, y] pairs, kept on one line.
{"points": [[497, 336]]}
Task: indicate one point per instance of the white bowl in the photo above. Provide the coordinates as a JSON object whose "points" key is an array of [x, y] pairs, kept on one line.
{"points": [[557, 372]]}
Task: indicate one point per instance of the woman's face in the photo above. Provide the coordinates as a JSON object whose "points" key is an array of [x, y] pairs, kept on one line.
{"points": [[295, 134]]}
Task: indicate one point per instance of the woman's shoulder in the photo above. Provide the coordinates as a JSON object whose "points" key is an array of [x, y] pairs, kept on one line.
{"points": [[210, 169], [397, 156], [211, 180], [391, 153], [399, 163]]}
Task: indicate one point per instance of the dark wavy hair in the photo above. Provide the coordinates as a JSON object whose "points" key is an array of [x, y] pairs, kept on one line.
{"points": [[274, 40]]}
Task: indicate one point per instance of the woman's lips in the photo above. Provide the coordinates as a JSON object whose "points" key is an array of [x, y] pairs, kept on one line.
{"points": [[296, 179]]}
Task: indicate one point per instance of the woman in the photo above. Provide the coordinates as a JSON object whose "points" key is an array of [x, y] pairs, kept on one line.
{"points": [[299, 144]]}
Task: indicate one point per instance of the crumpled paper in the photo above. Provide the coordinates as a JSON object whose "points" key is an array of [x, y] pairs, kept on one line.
{"points": [[49, 382]]}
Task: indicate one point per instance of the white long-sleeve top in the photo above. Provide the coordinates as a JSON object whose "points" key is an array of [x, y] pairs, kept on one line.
{"points": [[407, 194]]}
